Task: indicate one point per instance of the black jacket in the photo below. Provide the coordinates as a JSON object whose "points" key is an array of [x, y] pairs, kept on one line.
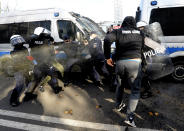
{"points": [[128, 43], [20, 49], [19, 62], [36, 40]]}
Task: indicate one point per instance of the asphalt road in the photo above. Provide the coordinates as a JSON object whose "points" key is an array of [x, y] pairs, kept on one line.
{"points": [[82, 106]]}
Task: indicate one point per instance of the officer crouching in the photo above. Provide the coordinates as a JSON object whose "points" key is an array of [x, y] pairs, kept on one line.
{"points": [[44, 54], [21, 66]]}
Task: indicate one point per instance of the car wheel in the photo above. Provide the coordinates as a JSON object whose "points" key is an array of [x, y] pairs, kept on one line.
{"points": [[178, 73]]}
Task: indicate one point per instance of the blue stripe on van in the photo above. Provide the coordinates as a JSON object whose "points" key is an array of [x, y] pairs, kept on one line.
{"points": [[4, 53], [172, 50]]}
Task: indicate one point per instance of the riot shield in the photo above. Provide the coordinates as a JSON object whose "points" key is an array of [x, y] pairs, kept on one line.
{"points": [[153, 31], [159, 64]]}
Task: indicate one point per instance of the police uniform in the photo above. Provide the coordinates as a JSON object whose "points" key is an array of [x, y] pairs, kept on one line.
{"points": [[44, 54], [21, 67], [97, 59]]}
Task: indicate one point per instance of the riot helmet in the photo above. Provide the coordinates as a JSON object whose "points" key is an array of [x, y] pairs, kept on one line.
{"points": [[40, 30], [42, 36], [141, 24], [17, 40]]}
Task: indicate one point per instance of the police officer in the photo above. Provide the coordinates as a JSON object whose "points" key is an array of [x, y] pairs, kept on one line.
{"points": [[44, 54], [128, 63], [141, 25], [20, 66], [97, 57]]}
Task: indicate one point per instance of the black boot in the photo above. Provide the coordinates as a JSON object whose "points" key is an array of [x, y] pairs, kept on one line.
{"points": [[14, 99], [29, 96], [57, 89]]}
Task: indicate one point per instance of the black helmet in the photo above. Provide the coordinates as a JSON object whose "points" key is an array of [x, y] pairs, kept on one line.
{"points": [[17, 40]]}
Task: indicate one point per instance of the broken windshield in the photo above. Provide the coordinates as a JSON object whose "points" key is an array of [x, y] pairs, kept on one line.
{"points": [[90, 26]]}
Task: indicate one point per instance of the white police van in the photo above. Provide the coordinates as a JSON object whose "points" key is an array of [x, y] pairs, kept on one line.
{"points": [[58, 21], [170, 15]]}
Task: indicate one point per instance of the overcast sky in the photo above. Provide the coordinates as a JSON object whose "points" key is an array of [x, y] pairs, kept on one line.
{"points": [[98, 10]]}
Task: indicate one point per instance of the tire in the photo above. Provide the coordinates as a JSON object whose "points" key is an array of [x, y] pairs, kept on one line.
{"points": [[178, 73], [75, 68]]}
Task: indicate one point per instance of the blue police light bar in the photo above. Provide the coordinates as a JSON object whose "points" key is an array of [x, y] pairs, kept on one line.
{"points": [[56, 14], [153, 3]]}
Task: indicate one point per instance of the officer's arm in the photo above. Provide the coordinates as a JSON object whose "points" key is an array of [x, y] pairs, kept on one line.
{"points": [[109, 39]]}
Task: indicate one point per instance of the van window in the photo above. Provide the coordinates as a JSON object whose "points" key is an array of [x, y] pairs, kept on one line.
{"points": [[170, 19], [24, 29], [33, 25], [4, 34], [66, 28]]}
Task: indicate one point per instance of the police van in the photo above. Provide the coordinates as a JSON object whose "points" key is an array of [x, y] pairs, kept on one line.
{"points": [[169, 13], [58, 21]]}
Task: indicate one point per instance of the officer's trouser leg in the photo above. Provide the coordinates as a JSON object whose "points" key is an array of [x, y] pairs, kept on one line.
{"points": [[38, 74], [19, 78], [93, 73], [102, 69]]}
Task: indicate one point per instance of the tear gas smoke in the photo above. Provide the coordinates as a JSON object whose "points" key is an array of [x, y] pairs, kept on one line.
{"points": [[75, 55], [7, 85], [72, 99]]}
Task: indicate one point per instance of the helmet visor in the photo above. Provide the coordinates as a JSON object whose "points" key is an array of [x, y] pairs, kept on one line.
{"points": [[17, 41]]}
